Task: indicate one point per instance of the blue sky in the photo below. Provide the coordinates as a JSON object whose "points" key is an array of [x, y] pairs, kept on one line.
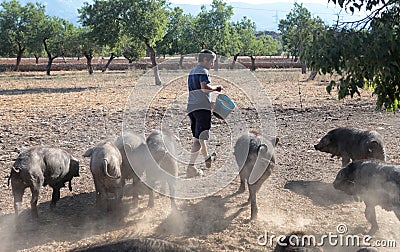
{"points": [[250, 1]]}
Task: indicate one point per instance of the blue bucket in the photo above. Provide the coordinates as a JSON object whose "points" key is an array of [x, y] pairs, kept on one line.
{"points": [[223, 106]]}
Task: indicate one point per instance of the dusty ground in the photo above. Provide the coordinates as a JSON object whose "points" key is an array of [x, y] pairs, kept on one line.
{"points": [[75, 111]]}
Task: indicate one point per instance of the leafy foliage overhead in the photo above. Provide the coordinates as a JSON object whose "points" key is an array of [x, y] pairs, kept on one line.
{"points": [[365, 54]]}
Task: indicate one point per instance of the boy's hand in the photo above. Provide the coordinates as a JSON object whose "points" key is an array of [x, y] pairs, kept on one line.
{"points": [[219, 89]]}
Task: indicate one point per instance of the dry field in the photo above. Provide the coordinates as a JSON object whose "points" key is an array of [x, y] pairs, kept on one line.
{"points": [[74, 111]]}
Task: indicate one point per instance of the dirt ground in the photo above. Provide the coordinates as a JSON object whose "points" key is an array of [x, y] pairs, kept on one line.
{"points": [[74, 111]]}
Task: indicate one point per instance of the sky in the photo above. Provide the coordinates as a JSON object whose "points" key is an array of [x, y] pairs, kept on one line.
{"points": [[250, 1]]}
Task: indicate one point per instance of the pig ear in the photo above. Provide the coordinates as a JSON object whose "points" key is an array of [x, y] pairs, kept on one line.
{"points": [[73, 162], [89, 152], [128, 147], [261, 164], [275, 141], [349, 170], [373, 145], [326, 139]]}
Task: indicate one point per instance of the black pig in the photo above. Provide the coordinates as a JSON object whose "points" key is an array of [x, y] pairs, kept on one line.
{"points": [[105, 166], [39, 166], [255, 157], [376, 183], [135, 156], [354, 144], [162, 147]]}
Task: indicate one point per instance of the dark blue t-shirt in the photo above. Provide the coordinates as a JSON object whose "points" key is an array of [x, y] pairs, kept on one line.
{"points": [[197, 98]]}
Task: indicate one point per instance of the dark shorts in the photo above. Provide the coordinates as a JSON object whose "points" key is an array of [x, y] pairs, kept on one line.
{"points": [[200, 123]]}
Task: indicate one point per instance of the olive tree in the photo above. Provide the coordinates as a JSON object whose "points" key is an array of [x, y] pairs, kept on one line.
{"points": [[87, 46], [58, 36], [131, 49], [365, 53], [18, 28], [214, 31], [252, 45], [297, 30], [145, 20], [178, 38], [104, 28]]}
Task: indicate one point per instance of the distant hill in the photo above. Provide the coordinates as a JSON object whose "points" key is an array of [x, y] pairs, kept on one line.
{"points": [[266, 16]]}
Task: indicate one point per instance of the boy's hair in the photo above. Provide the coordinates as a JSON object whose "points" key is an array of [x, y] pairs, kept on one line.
{"points": [[208, 54]]}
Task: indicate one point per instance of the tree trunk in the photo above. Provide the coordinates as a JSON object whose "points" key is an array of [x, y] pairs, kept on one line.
{"points": [[181, 61], [131, 65], [153, 62], [253, 63], [19, 57], [216, 64], [108, 62], [234, 60], [302, 62], [36, 59], [312, 75], [89, 57], [303, 67], [49, 63]]}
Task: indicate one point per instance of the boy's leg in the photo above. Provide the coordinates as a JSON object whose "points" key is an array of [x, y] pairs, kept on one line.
{"points": [[191, 170], [194, 152]]}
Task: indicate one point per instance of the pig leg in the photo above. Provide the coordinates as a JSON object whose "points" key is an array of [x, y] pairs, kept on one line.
{"points": [[99, 195], [242, 186], [34, 200], [253, 189], [119, 195], [18, 191], [371, 218], [345, 159], [253, 201], [135, 197], [55, 197], [170, 166], [172, 192], [136, 184], [18, 201], [397, 211], [150, 204]]}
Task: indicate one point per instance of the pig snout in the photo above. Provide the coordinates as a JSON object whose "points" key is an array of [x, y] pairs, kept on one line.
{"points": [[337, 184], [339, 180], [320, 145], [343, 183]]}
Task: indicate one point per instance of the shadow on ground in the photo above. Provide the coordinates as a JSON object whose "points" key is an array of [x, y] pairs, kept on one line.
{"points": [[321, 193], [43, 90], [202, 218], [74, 218], [136, 244]]}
